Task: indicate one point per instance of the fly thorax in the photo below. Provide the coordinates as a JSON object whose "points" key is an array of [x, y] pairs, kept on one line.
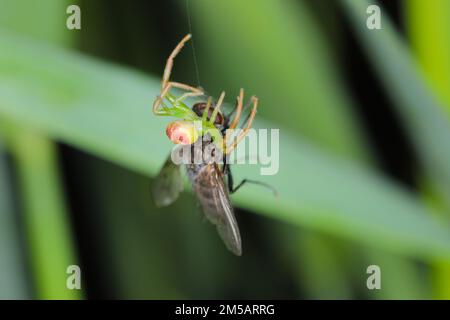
{"points": [[211, 153]]}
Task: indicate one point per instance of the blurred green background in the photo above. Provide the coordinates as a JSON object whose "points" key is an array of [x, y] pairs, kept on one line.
{"points": [[364, 153]]}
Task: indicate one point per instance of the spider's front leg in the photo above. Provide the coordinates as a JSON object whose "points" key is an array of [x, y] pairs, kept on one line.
{"points": [[166, 85], [171, 58]]}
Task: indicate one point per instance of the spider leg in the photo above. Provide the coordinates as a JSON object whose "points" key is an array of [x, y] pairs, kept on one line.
{"points": [[206, 112], [169, 63], [188, 94], [192, 92], [159, 99], [236, 118], [185, 87], [249, 122], [247, 105], [166, 85], [217, 108]]}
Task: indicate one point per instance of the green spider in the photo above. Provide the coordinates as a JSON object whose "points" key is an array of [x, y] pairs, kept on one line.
{"points": [[212, 123]]}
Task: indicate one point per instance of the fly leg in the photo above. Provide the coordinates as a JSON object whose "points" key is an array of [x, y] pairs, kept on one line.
{"points": [[233, 189], [263, 184], [238, 109]]}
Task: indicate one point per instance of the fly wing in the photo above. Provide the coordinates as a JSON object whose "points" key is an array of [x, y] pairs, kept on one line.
{"points": [[168, 184], [215, 201]]}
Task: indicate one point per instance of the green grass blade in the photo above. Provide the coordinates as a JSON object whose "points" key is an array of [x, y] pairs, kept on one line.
{"points": [[425, 120], [12, 271], [106, 110], [428, 23], [48, 235], [45, 21], [423, 115]]}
